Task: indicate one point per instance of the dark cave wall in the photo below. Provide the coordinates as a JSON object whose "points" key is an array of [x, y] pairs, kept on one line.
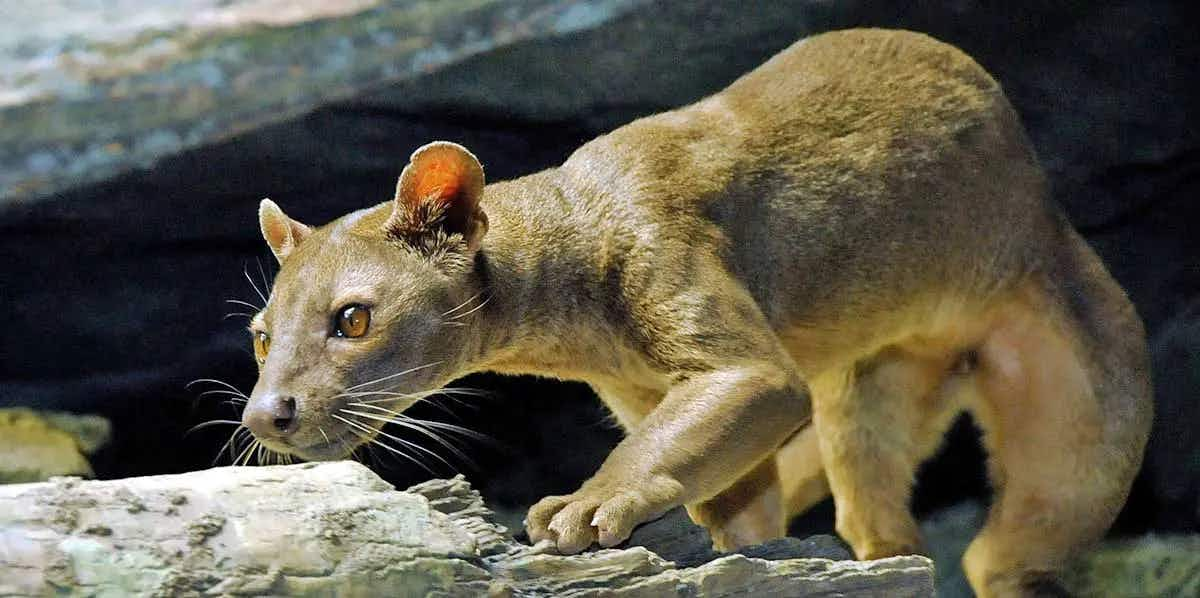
{"points": [[114, 292]]}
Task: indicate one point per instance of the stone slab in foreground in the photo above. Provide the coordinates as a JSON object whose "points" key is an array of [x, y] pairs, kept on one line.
{"points": [[337, 529]]}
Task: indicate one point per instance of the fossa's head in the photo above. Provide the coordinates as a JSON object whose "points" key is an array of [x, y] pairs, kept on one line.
{"points": [[368, 311]]}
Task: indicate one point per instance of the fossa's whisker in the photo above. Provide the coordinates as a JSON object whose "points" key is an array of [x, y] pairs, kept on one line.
{"points": [[230, 443], [256, 308], [390, 398], [243, 457], [266, 281], [422, 394], [214, 381], [212, 422], [396, 375], [463, 304], [221, 391], [429, 423], [255, 286], [365, 433], [407, 424], [411, 445], [473, 310]]}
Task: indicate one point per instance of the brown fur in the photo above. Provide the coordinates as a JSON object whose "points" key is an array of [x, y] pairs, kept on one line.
{"points": [[856, 234]]}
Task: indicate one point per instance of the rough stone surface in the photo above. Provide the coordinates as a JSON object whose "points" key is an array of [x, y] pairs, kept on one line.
{"points": [[39, 445], [88, 90], [675, 538], [336, 528]]}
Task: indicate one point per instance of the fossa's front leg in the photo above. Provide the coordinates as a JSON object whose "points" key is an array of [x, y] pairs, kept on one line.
{"points": [[710, 430]]}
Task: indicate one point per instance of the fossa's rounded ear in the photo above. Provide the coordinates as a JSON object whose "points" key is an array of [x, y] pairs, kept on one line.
{"points": [[439, 191], [281, 233]]}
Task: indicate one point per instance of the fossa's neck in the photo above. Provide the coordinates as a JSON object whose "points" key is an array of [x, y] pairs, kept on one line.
{"points": [[546, 269]]}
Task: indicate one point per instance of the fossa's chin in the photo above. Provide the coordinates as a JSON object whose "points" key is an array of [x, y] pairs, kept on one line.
{"points": [[323, 453], [336, 448]]}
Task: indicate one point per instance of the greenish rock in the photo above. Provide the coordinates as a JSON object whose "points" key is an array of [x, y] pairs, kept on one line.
{"points": [[655, 58], [90, 90], [1147, 566], [39, 445], [91, 432]]}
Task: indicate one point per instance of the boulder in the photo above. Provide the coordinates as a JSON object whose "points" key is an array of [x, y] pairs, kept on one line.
{"points": [[338, 529], [90, 91]]}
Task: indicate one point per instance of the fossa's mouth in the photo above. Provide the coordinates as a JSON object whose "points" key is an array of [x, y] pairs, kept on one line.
{"points": [[332, 445], [338, 447]]}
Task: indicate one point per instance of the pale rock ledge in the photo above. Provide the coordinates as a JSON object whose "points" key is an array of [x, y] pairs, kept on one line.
{"points": [[338, 529]]}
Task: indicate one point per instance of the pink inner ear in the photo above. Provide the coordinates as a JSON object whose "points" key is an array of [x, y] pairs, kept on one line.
{"points": [[439, 178], [277, 232]]}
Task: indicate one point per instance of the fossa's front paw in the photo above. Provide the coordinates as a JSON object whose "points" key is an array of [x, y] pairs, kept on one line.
{"points": [[599, 512]]}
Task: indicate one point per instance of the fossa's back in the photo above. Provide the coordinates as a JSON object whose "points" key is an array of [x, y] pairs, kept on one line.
{"points": [[879, 163]]}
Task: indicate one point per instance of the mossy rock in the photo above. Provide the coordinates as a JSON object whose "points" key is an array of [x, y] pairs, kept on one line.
{"points": [[1148, 566], [40, 445]]}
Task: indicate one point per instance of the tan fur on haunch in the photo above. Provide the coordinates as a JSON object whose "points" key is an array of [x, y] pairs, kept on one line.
{"points": [[784, 290]]}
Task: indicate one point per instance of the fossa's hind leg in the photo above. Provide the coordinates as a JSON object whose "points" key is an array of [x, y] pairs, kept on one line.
{"points": [[873, 436], [760, 506], [748, 512], [801, 473], [1064, 404]]}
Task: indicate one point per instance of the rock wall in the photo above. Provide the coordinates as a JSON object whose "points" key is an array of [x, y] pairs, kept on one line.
{"points": [[88, 91]]}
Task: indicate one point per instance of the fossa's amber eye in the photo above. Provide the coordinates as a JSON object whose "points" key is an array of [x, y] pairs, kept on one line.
{"points": [[351, 321], [262, 344]]}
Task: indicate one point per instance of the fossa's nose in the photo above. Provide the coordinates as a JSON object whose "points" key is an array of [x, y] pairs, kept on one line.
{"points": [[271, 416]]}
